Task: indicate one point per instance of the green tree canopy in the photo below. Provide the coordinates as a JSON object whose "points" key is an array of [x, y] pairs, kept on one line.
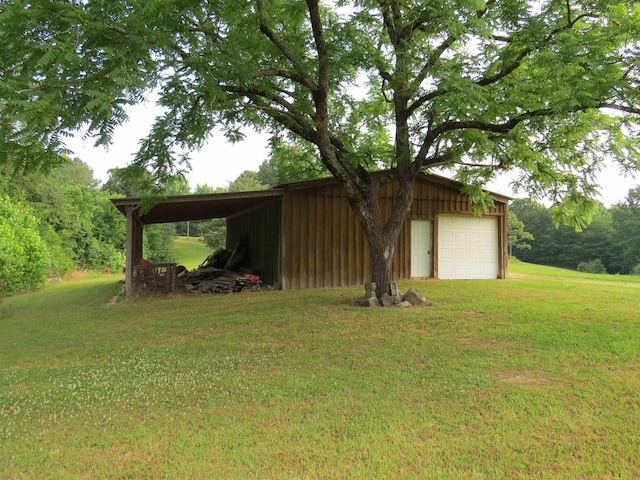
{"points": [[80, 226], [290, 162], [564, 246], [546, 89], [204, 189], [518, 236], [247, 181]]}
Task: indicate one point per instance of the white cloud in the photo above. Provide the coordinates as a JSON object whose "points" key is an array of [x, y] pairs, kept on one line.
{"points": [[216, 164]]}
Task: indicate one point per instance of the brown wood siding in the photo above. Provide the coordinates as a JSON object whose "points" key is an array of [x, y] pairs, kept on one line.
{"points": [[324, 245], [262, 227]]}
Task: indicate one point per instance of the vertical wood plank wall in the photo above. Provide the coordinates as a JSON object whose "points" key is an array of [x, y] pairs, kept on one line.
{"points": [[262, 227], [323, 244]]}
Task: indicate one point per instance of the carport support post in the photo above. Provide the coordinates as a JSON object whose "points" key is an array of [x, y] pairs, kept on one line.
{"points": [[133, 247]]}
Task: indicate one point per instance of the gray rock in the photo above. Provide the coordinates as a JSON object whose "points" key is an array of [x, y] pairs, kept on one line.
{"points": [[398, 298], [386, 300], [369, 289], [415, 298], [404, 304], [370, 302]]}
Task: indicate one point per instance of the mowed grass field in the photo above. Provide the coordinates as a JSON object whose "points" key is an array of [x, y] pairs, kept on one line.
{"points": [[537, 376], [189, 251]]}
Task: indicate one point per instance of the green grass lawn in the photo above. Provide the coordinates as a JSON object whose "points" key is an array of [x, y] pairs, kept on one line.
{"points": [[537, 376], [189, 251]]}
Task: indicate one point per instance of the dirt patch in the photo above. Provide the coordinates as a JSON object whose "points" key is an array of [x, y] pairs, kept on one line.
{"points": [[629, 374], [77, 275], [531, 378], [511, 347]]}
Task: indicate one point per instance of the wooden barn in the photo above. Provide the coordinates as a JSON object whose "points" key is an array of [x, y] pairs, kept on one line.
{"points": [[304, 234]]}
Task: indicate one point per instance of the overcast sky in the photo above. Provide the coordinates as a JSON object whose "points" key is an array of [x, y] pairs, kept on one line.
{"points": [[219, 162]]}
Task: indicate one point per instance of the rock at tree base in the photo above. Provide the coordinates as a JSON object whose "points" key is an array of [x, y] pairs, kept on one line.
{"points": [[370, 302], [386, 300], [415, 298], [369, 290], [404, 304]]}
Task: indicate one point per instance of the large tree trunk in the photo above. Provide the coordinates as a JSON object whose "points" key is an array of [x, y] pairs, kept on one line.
{"points": [[383, 236], [359, 186], [381, 265]]}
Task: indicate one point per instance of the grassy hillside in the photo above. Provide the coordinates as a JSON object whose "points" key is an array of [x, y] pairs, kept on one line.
{"points": [[189, 251], [517, 267], [536, 376]]}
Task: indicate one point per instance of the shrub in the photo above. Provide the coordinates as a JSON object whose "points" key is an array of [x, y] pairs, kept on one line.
{"points": [[592, 266], [24, 256], [635, 270]]}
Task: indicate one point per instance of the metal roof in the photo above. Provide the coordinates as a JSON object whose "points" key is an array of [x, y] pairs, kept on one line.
{"points": [[223, 205], [428, 177], [197, 207]]}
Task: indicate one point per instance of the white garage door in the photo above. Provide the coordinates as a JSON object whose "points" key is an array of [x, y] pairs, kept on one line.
{"points": [[467, 247]]}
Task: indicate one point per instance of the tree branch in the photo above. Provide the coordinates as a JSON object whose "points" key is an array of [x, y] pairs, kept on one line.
{"points": [[620, 108], [206, 32], [332, 150], [283, 47], [449, 126], [504, 127], [321, 45], [437, 53], [507, 70], [172, 44], [287, 108], [277, 72], [502, 38]]}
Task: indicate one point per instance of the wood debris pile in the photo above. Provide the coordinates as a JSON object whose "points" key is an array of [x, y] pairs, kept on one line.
{"points": [[224, 272], [217, 280]]}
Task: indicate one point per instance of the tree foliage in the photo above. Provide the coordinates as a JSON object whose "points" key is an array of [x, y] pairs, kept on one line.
{"points": [[546, 89], [135, 181], [65, 210], [290, 162], [610, 240], [625, 217], [518, 236], [81, 227], [24, 256], [214, 234], [513, 84], [592, 266], [247, 181]]}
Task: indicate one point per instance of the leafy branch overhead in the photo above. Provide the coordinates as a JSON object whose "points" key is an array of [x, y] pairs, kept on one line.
{"points": [[479, 83]]}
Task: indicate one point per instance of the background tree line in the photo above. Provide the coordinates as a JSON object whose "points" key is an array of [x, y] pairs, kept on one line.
{"points": [[61, 220], [609, 244], [54, 222]]}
